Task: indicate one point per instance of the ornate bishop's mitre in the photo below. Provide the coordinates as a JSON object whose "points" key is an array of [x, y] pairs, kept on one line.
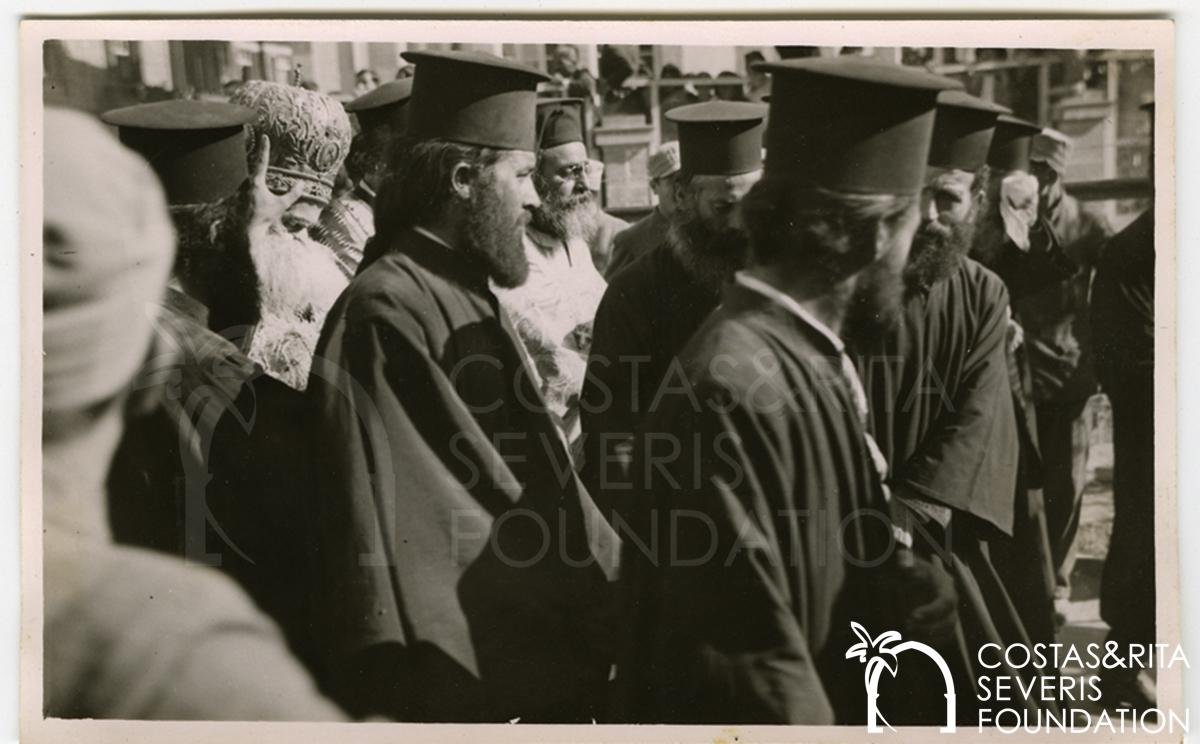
{"points": [[309, 132]]}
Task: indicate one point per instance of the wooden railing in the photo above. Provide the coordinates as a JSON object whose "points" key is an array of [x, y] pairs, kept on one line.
{"points": [[1110, 188]]}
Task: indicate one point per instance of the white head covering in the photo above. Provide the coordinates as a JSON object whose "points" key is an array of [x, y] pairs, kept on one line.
{"points": [[1052, 147], [664, 160], [108, 247]]}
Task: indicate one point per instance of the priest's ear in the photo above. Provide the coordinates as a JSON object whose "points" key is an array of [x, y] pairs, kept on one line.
{"points": [[462, 179]]}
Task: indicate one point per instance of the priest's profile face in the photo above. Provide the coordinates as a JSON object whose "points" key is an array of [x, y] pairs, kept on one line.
{"points": [[501, 200], [569, 208], [708, 231]]}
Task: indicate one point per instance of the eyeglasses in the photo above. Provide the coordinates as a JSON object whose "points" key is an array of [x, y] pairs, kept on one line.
{"points": [[573, 172]]}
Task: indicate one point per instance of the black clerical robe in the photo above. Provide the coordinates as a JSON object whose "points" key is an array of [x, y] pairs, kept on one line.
{"points": [[1123, 327], [463, 570], [942, 413], [939, 392], [209, 471], [649, 311], [753, 486], [1026, 562]]}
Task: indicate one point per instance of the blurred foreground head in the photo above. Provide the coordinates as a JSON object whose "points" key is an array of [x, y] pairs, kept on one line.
{"points": [[108, 249]]}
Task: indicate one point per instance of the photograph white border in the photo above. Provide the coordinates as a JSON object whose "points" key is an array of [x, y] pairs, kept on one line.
{"points": [[1156, 35]]}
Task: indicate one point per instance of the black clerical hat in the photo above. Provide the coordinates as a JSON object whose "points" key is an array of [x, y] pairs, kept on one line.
{"points": [[384, 106], [719, 138], [474, 99], [559, 121], [1011, 144], [197, 148], [851, 124], [962, 131]]}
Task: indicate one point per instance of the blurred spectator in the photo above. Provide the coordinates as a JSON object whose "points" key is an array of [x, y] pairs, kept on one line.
{"points": [[365, 81], [759, 83], [573, 79], [406, 71], [734, 90], [618, 64]]}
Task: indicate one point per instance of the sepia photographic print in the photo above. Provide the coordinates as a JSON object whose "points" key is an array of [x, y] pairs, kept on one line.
{"points": [[685, 380]]}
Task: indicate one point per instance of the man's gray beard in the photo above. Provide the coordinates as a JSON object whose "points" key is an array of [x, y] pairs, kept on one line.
{"points": [[574, 217], [712, 266], [937, 250]]}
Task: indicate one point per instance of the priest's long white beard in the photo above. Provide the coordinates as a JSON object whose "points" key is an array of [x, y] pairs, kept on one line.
{"points": [[297, 276], [298, 281]]}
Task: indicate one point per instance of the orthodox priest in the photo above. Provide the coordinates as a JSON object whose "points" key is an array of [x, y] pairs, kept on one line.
{"points": [[464, 571], [298, 278], [554, 309], [205, 470], [759, 504], [129, 633], [653, 306], [1123, 327], [941, 407], [349, 220]]}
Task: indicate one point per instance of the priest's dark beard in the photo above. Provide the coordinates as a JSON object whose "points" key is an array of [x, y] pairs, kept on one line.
{"points": [[495, 237], [937, 250], [875, 304], [710, 257], [567, 217]]}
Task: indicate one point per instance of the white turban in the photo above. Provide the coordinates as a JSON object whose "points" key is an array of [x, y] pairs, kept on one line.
{"points": [[108, 246]]}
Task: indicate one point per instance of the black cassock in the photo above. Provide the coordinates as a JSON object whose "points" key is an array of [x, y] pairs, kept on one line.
{"points": [[209, 472], [463, 571], [1026, 562], [942, 413], [751, 477], [1123, 327], [649, 311]]}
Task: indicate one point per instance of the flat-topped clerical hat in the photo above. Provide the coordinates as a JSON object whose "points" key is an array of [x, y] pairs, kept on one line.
{"points": [[1011, 143], [474, 99], [719, 138], [851, 124], [197, 148], [384, 106], [962, 131], [559, 121]]}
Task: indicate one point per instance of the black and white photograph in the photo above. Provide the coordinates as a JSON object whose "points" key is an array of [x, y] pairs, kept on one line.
{"points": [[633, 373]]}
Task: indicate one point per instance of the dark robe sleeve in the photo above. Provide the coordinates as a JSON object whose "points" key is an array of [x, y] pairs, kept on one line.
{"points": [[615, 384], [968, 458], [435, 604], [394, 462], [1044, 264], [723, 640]]}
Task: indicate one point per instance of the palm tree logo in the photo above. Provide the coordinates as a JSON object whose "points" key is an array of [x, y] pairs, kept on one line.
{"points": [[879, 653]]}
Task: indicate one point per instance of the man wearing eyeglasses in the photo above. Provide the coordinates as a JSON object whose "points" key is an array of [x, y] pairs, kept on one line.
{"points": [[554, 309]]}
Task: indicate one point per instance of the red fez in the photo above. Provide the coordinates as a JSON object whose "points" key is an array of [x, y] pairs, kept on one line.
{"points": [[851, 124], [559, 121], [962, 131], [474, 99], [719, 138], [197, 148], [383, 106], [1011, 143]]}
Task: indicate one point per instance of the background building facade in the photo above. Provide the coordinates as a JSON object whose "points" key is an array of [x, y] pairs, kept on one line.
{"points": [[1093, 96]]}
